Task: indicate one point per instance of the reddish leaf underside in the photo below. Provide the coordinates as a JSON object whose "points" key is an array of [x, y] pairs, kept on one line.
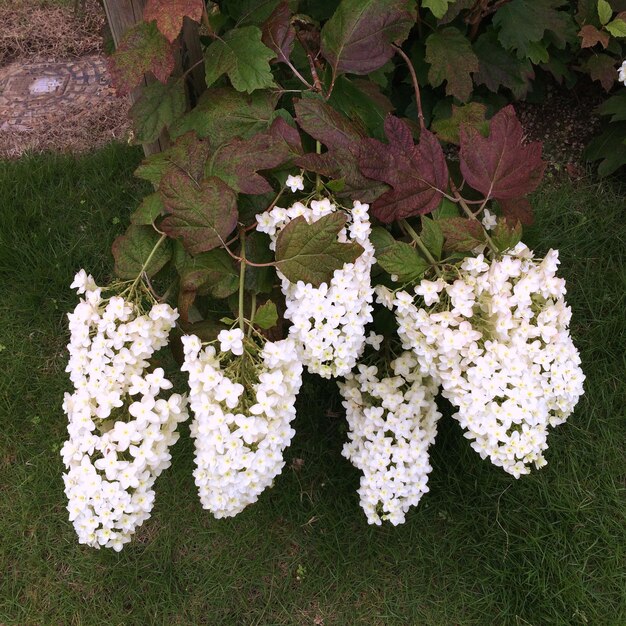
{"points": [[500, 166], [590, 36], [169, 14], [278, 32], [142, 49], [417, 174]]}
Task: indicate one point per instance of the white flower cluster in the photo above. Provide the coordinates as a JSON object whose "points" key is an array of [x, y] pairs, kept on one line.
{"points": [[622, 74], [120, 432], [497, 340], [392, 422], [328, 322], [240, 433]]}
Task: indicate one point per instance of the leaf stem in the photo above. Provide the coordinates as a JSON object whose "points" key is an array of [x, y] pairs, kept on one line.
{"points": [[252, 313], [420, 244], [162, 238], [242, 278], [472, 216], [318, 178], [416, 87]]}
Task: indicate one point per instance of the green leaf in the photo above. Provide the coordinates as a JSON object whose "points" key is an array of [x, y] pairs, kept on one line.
{"points": [[149, 209], [537, 53], [609, 148], [358, 37], [506, 236], [311, 252], [499, 68], [188, 154], [437, 7], [201, 214], [522, 22], [157, 107], [451, 59], [461, 234], [617, 27], [615, 106], [211, 273], [360, 100], [242, 55], [601, 67], [447, 208], [432, 236], [142, 49], [132, 250], [259, 279], [403, 261], [266, 316], [381, 239], [467, 115], [604, 11], [249, 11], [224, 113]]}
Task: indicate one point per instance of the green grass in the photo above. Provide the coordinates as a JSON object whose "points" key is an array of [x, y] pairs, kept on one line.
{"points": [[482, 548]]}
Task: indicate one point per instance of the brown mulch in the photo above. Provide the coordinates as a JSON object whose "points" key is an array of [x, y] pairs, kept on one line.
{"points": [[34, 31]]}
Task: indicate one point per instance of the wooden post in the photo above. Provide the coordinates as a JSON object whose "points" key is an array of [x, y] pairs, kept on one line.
{"points": [[121, 15]]}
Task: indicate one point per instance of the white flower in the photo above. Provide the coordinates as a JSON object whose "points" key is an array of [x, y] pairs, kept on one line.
{"points": [[622, 73], [392, 422], [295, 183], [231, 340], [489, 220], [111, 467]]}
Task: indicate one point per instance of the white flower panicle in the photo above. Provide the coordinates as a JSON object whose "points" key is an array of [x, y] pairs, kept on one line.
{"points": [[328, 322], [392, 422], [120, 430], [240, 433], [497, 341]]}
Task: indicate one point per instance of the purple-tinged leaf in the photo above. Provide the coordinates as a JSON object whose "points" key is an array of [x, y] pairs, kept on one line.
{"points": [[279, 33], [417, 174], [169, 14], [517, 210], [201, 214], [142, 49], [500, 166], [358, 37], [132, 249], [461, 234]]}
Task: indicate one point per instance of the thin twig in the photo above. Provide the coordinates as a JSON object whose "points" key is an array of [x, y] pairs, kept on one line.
{"points": [[416, 87]]}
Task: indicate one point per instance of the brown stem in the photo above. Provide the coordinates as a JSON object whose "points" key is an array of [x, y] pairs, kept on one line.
{"points": [[416, 87], [472, 216]]}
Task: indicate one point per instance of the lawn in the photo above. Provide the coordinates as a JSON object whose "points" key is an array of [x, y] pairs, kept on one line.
{"points": [[482, 548]]}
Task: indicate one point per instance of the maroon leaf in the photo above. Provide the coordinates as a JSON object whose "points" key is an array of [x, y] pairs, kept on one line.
{"points": [[142, 49], [342, 138], [169, 14], [461, 234], [201, 214], [517, 210], [238, 161], [601, 67], [500, 166], [279, 33], [590, 36], [358, 37], [418, 174]]}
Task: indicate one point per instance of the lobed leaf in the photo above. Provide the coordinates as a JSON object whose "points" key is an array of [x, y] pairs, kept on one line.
{"points": [[157, 107], [132, 249], [149, 209], [242, 55], [224, 113], [590, 36], [169, 14], [500, 165], [266, 316], [311, 252], [201, 214], [417, 174], [468, 115], [506, 235], [601, 67], [461, 234], [358, 37], [452, 60], [142, 49]]}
